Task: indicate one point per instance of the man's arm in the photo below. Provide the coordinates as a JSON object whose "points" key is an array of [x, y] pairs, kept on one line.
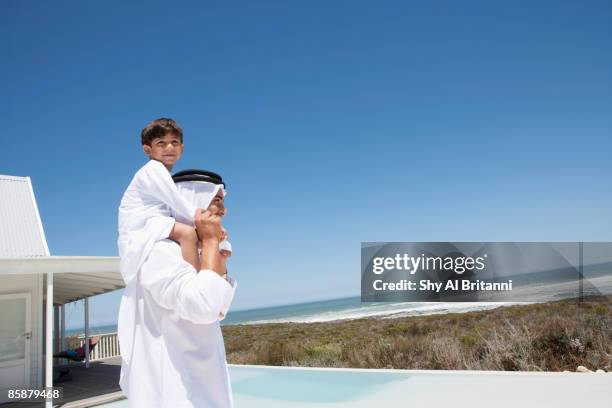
{"points": [[201, 298]]}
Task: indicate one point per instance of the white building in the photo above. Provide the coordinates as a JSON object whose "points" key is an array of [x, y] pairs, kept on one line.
{"points": [[29, 276]]}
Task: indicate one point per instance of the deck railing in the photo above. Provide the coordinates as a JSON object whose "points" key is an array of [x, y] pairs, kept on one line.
{"points": [[107, 347]]}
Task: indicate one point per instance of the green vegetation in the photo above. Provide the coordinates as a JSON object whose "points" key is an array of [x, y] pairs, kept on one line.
{"points": [[552, 336]]}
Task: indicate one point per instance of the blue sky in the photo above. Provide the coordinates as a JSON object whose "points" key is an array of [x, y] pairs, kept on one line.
{"points": [[332, 123]]}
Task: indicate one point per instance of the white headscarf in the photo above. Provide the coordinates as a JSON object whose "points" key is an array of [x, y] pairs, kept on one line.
{"points": [[201, 194]]}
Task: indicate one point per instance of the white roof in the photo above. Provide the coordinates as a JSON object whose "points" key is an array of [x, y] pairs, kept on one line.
{"points": [[21, 233], [23, 249]]}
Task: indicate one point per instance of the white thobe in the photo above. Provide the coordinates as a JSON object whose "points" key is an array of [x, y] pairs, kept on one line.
{"points": [[167, 307], [178, 357]]}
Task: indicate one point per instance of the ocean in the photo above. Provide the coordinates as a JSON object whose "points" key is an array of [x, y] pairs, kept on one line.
{"points": [[348, 308], [353, 308], [328, 310], [595, 283]]}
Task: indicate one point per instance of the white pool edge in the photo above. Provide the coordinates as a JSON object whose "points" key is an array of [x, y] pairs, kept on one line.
{"points": [[416, 371]]}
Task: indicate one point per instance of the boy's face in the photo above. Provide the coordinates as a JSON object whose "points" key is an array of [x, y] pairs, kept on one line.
{"points": [[167, 149]]}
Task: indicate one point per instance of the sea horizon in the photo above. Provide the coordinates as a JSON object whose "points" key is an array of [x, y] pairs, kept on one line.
{"points": [[243, 314], [326, 310], [352, 307]]}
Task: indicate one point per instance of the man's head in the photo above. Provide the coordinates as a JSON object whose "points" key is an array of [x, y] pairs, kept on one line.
{"points": [[206, 191], [201, 194], [217, 205], [203, 188], [162, 140]]}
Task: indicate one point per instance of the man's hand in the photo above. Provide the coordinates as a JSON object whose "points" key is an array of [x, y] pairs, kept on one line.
{"points": [[208, 226]]}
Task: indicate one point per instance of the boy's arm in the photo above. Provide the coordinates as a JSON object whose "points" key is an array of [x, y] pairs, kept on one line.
{"points": [[155, 181], [187, 238]]}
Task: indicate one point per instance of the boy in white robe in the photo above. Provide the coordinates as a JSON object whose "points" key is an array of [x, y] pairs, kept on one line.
{"points": [[163, 290]]}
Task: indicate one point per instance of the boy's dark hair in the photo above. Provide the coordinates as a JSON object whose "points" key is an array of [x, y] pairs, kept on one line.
{"points": [[160, 128]]}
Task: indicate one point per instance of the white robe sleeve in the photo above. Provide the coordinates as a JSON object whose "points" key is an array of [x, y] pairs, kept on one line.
{"points": [[174, 284], [135, 246], [156, 182], [228, 300]]}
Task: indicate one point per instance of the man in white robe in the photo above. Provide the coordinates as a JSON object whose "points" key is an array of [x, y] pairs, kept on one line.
{"points": [[171, 342]]}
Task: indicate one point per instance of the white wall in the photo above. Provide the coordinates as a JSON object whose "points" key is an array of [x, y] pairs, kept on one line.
{"points": [[32, 284]]}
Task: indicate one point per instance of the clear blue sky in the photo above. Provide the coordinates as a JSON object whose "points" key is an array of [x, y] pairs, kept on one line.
{"points": [[332, 122]]}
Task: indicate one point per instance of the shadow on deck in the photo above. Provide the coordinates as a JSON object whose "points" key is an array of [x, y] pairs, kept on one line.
{"points": [[91, 386]]}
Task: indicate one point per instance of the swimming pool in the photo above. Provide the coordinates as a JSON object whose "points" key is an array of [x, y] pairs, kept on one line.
{"points": [[297, 387]]}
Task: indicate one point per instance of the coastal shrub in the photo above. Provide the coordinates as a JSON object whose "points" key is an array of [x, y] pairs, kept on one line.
{"points": [[277, 353], [447, 353], [394, 329], [556, 343], [362, 356], [237, 343], [509, 364], [324, 355], [551, 336], [469, 340], [410, 329], [384, 353], [508, 348], [600, 309]]}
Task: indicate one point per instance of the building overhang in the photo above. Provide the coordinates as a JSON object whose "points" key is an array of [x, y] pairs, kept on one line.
{"points": [[74, 277]]}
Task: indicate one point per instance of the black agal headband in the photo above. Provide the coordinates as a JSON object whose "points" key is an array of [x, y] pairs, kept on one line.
{"points": [[198, 175]]}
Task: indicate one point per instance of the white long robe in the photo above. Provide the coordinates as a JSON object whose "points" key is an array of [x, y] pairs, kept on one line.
{"points": [[171, 343]]}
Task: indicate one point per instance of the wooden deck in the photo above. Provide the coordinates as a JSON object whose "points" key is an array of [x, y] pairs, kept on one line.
{"points": [[91, 386]]}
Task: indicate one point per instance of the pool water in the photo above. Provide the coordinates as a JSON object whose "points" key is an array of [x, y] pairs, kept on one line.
{"points": [[292, 387], [309, 386]]}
